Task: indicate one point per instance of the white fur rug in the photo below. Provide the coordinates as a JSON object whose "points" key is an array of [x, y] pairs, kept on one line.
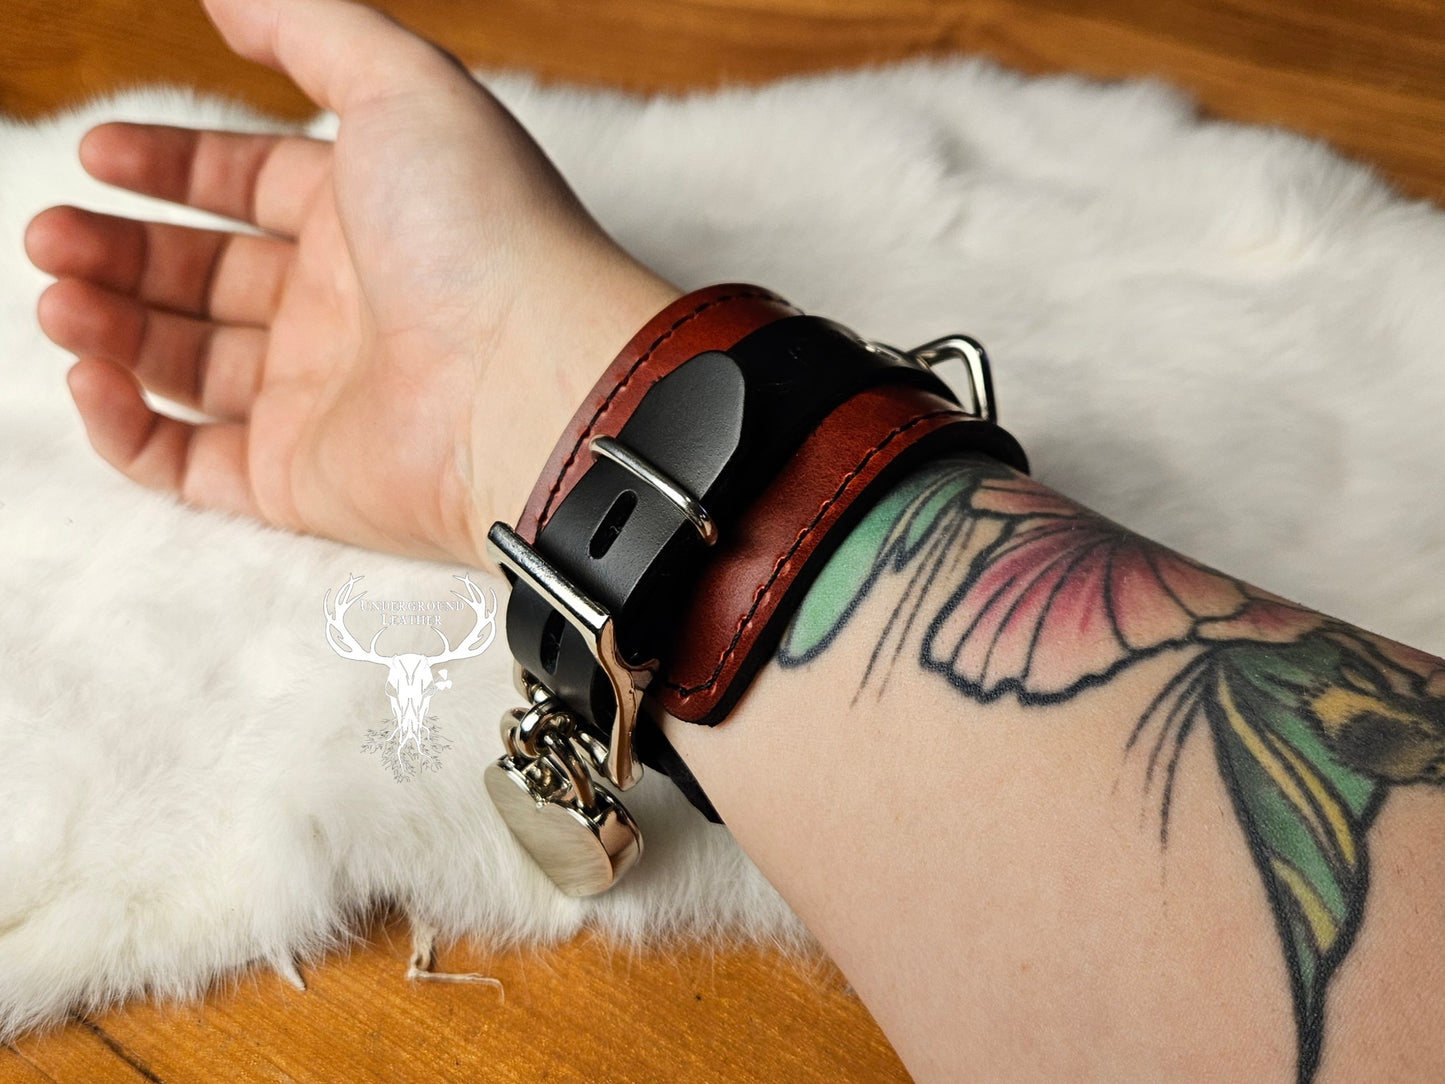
{"points": [[1224, 336]]}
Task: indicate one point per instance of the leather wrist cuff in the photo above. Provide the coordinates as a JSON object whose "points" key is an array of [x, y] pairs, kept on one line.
{"points": [[694, 496]]}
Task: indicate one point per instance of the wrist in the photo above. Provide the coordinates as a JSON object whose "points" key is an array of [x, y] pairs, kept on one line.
{"points": [[729, 419], [532, 381]]}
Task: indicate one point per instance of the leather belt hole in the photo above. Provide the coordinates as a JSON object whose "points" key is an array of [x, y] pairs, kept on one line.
{"points": [[612, 524], [551, 645]]}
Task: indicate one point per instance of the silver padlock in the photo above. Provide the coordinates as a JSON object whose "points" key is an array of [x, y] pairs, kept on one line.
{"points": [[577, 831]]}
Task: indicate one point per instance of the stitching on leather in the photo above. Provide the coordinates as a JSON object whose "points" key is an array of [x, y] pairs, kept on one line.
{"points": [[766, 586], [602, 407]]}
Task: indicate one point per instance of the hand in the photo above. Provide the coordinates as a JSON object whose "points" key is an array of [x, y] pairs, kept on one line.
{"points": [[390, 363]]}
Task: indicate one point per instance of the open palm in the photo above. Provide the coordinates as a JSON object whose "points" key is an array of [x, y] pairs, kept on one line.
{"points": [[389, 361]]}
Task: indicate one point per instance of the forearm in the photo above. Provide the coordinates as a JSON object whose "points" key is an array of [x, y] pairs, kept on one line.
{"points": [[1062, 804], [969, 815]]}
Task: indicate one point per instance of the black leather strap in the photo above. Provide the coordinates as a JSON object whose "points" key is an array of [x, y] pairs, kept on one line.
{"points": [[720, 425]]}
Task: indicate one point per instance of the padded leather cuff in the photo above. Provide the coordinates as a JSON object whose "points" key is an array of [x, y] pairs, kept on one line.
{"points": [[785, 428]]}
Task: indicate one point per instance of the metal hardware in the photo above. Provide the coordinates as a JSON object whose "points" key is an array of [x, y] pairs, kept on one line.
{"points": [[953, 348], [523, 726], [592, 748], [579, 833], [611, 449], [595, 625], [551, 728], [973, 355]]}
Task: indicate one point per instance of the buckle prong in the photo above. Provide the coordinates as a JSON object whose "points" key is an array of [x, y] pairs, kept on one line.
{"points": [[615, 451]]}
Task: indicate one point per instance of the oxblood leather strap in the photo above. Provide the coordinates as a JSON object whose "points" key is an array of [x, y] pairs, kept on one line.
{"points": [[696, 493], [754, 574], [712, 318]]}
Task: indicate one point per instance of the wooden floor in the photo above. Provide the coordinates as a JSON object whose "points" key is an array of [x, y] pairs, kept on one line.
{"points": [[1368, 75], [684, 1015]]}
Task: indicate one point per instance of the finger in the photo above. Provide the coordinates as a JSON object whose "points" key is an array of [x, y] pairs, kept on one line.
{"points": [[341, 54], [211, 367], [267, 180], [230, 277], [204, 465]]}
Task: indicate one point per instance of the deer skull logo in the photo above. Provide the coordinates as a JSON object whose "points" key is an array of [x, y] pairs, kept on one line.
{"points": [[413, 742]]}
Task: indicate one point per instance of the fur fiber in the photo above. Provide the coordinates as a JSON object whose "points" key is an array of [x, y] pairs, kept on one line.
{"points": [[1226, 337]]}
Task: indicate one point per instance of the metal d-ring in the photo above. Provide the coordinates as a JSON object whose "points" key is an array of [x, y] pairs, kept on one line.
{"points": [[522, 728], [974, 356], [953, 348], [563, 756]]}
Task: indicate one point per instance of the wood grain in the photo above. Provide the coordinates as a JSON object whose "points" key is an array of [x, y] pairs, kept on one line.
{"points": [[1368, 75], [689, 1015]]}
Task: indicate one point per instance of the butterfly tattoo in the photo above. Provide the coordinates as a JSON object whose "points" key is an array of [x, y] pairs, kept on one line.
{"points": [[1311, 720]]}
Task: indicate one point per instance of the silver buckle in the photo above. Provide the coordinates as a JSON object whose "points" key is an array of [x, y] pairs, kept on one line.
{"points": [[579, 833], [594, 623], [940, 352]]}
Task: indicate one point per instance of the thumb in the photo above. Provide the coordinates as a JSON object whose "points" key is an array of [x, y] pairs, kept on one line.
{"points": [[339, 53]]}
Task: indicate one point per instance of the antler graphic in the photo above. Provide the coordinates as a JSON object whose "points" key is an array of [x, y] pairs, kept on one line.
{"points": [[409, 681], [472, 644], [339, 636]]}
